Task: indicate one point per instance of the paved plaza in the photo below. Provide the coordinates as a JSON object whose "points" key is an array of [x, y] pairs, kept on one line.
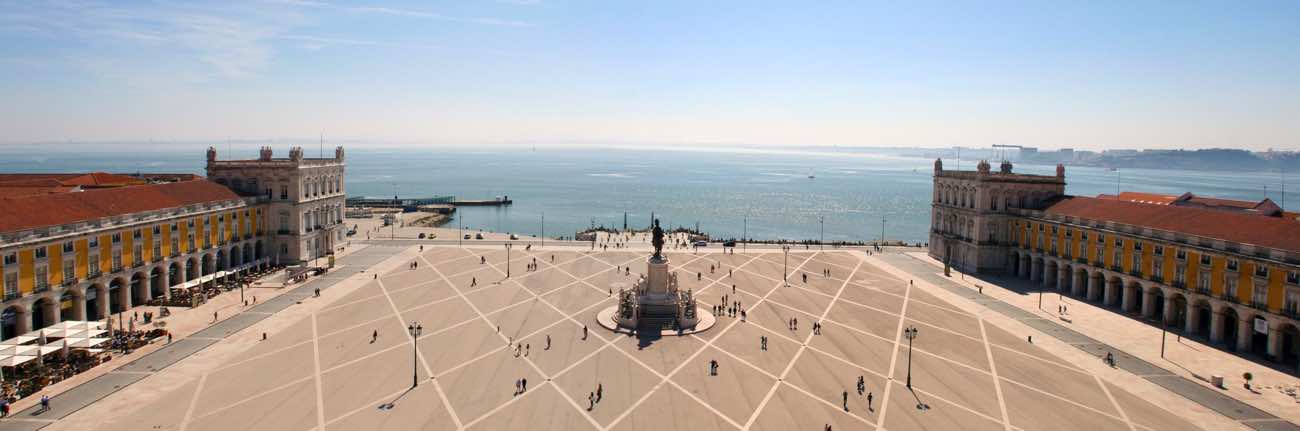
{"points": [[348, 363]]}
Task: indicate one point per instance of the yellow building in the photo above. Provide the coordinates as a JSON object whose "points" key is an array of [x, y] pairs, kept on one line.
{"points": [[1224, 269]]}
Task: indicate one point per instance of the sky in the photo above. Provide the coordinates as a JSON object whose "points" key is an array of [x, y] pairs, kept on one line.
{"points": [[1091, 75]]}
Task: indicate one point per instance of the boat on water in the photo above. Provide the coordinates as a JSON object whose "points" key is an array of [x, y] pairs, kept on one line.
{"points": [[810, 174]]}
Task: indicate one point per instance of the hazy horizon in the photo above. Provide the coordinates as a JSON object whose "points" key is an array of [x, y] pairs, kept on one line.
{"points": [[1094, 75]]}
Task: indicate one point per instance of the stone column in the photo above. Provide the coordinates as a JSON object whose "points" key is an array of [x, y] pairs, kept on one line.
{"points": [[1275, 341], [146, 285], [1244, 332], [79, 306], [124, 293], [102, 300], [1111, 295], [1096, 285], [1149, 303], [1216, 326], [1080, 283], [24, 323], [1169, 311], [1130, 296], [53, 314]]}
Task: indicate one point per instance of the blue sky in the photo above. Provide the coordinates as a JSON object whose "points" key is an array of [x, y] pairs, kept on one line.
{"points": [[1068, 74]]}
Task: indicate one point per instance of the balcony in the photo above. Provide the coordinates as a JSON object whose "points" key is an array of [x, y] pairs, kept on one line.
{"points": [[157, 257], [117, 267], [68, 281], [1203, 290], [1135, 273], [137, 264], [284, 232], [1179, 284], [1259, 305], [1230, 298], [1082, 260], [1116, 268], [12, 295], [94, 272], [1157, 278], [42, 286], [1291, 311]]}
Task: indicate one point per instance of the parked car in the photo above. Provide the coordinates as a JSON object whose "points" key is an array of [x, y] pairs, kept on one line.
{"points": [[467, 236], [729, 244], [513, 236], [701, 243], [478, 236]]}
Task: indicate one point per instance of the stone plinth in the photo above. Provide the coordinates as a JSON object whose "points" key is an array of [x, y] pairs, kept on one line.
{"points": [[655, 304]]}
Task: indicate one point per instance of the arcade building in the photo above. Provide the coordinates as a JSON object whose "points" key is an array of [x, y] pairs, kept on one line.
{"points": [[80, 246], [1225, 270]]}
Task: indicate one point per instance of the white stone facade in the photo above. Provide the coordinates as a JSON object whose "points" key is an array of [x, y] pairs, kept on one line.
{"points": [[302, 199]]}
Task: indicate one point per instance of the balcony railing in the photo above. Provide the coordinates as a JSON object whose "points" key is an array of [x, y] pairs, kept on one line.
{"points": [[1082, 260], [1259, 305], [1116, 268], [93, 272], [42, 286], [68, 281], [1179, 284], [157, 257], [117, 267], [1291, 311], [12, 295], [1203, 290], [283, 232], [1230, 298], [1157, 278], [1135, 273], [138, 263]]}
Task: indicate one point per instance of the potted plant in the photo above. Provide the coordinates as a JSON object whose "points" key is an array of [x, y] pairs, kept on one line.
{"points": [[1248, 377]]}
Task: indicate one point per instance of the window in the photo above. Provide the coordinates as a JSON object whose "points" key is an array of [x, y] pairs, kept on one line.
{"points": [[137, 255], [1069, 233], [176, 245], [1259, 295], [157, 230], [1101, 239], [1261, 271], [117, 237], [190, 223], [11, 285], [1119, 242], [1083, 235], [175, 227], [1137, 245], [1117, 257], [1230, 285], [1053, 230], [94, 242], [137, 234], [41, 252], [69, 270], [1160, 250], [42, 277], [1157, 268], [157, 249], [1180, 275], [284, 191], [207, 221], [1205, 260], [1232, 265], [67, 247], [1293, 277], [1137, 261], [93, 269], [11, 258], [117, 260], [1181, 254], [1083, 248]]}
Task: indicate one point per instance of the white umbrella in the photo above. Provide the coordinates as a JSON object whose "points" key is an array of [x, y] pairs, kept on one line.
{"points": [[14, 361]]}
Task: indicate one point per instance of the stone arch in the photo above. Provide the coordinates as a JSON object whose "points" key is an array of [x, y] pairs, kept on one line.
{"points": [[1114, 286], [1049, 273], [12, 320], [94, 301], [157, 282], [45, 312], [1230, 322], [1177, 304], [114, 299], [258, 252], [236, 256], [175, 274], [206, 264], [193, 268], [71, 305], [1288, 348], [1258, 340]]}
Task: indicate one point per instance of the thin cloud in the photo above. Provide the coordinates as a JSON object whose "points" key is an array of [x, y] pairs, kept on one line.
{"points": [[410, 13]]}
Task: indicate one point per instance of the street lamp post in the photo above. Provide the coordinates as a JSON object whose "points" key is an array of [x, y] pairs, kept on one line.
{"points": [[821, 220], [415, 329], [544, 228], [785, 265], [508, 245], [744, 235], [910, 334], [460, 231]]}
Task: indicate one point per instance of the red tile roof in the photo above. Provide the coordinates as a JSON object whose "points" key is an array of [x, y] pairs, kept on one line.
{"points": [[1149, 198], [1246, 228], [34, 211]]}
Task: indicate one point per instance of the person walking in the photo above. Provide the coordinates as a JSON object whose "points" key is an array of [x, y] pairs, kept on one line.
{"points": [[374, 336], [525, 384], [869, 408], [584, 332], [548, 342], [45, 403], [600, 391], [846, 401], [591, 400]]}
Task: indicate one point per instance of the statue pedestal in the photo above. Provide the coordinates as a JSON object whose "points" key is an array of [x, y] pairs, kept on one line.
{"points": [[657, 276]]}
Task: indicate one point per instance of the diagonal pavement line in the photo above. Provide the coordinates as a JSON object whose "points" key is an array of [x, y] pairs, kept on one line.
{"points": [[707, 343], [997, 383], [253, 397], [320, 392], [194, 402], [1123, 414], [424, 362], [802, 347], [893, 357], [1070, 401], [527, 360]]}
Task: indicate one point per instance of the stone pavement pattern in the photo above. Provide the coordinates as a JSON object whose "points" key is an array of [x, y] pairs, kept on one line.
{"points": [[329, 372]]}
